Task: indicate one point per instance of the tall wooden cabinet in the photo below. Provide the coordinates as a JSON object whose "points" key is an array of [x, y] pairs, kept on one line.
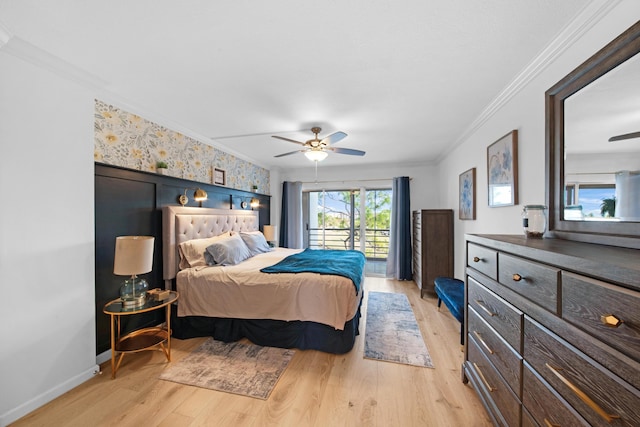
{"points": [[432, 247], [553, 331]]}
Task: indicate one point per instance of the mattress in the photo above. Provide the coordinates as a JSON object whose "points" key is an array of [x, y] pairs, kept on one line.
{"points": [[243, 292]]}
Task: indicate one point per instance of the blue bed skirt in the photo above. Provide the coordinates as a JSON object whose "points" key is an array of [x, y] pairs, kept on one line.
{"points": [[270, 333]]}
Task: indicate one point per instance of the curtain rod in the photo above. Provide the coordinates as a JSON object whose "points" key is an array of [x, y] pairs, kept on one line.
{"points": [[349, 180]]}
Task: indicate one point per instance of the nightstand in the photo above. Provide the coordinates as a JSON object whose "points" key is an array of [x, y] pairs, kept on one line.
{"points": [[141, 339]]}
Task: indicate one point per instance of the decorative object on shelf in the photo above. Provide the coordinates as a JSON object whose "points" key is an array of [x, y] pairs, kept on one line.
{"points": [[162, 168], [502, 170], [219, 177], [534, 220], [158, 294], [467, 185], [199, 195], [270, 232], [254, 187], [133, 256]]}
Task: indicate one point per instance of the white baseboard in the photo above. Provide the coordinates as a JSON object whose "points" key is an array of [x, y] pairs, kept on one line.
{"points": [[46, 397], [103, 357]]}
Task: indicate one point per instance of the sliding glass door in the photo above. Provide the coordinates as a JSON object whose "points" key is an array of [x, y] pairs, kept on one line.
{"points": [[349, 219]]}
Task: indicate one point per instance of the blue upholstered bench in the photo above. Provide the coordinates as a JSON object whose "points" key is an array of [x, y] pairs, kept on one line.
{"points": [[451, 291]]}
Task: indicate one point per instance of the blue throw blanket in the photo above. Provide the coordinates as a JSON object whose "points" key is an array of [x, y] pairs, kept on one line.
{"points": [[349, 264]]}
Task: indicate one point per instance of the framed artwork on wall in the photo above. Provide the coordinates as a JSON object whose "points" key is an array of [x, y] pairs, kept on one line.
{"points": [[467, 186], [502, 171], [219, 177]]}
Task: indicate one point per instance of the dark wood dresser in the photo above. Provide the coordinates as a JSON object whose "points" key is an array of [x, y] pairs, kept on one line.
{"points": [[432, 247], [553, 331]]}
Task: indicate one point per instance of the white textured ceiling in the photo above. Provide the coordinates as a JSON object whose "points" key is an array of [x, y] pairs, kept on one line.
{"points": [[403, 78]]}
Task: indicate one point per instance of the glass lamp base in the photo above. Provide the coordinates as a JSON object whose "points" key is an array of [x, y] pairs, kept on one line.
{"points": [[133, 292], [136, 302]]}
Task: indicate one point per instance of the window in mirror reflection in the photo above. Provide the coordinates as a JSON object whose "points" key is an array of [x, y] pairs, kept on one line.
{"points": [[589, 201]]}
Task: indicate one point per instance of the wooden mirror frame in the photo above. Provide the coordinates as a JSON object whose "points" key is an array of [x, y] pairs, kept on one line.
{"points": [[624, 234]]}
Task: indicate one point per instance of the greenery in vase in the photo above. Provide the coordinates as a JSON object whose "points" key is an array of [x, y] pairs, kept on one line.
{"points": [[161, 165]]}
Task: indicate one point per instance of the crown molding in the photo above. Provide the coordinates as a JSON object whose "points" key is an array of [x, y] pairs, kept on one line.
{"points": [[586, 19], [5, 35], [39, 57]]}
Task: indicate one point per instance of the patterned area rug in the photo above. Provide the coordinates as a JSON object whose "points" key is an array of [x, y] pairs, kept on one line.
{"points": [[238, 368], [392, 333]]}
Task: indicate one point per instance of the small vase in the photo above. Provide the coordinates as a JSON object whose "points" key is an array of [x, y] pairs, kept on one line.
{"points": [[162, 171]]}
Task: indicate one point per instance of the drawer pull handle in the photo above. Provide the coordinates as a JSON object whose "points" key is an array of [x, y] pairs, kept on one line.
{"points": [[611, 320], [586, 399], [477, 259], [482, 305], [517, 277], [491, 389], [550, 424], [484, 344]]}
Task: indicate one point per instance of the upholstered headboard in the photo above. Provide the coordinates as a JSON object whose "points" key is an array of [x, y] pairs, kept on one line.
{"points": [[180, 224]]}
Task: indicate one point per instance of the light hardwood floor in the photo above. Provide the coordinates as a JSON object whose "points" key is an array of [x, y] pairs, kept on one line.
{"points": [[317, 389]]}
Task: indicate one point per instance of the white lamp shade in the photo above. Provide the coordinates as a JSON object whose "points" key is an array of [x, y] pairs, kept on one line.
{"points": [[316, 155], [270, 232], [134, 255]]}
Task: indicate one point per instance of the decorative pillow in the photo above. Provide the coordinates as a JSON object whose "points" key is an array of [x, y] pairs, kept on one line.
{"points": [[192, 251], [256, 242], [229, 251]]}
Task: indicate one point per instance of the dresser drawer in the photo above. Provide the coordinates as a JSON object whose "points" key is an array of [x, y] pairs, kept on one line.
{"points": [[593, 391], [544, 405], [483, 259], [505, 359], [494, 386], [588, 304], [534, 281], [502, 316]]}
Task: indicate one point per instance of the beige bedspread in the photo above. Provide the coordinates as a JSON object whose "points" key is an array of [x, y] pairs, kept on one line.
{"points": [[242, 291]]}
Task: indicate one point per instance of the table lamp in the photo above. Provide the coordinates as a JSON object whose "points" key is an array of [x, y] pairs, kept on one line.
{"points": [[134, 255], [270, 232]]}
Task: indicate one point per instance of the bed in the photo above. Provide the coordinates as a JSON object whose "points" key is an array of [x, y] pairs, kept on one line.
{"points": [[303, 310]]}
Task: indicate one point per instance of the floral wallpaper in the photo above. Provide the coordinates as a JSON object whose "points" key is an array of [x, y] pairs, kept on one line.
{"points": [[127, 140]]}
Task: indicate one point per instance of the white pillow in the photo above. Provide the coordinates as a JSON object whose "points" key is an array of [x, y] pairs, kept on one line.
{"points": [[228, 251], [192, 251], [256, 242]]}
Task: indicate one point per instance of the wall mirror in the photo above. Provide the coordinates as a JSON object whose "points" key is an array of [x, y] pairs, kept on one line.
{"points": [[593, 147]]}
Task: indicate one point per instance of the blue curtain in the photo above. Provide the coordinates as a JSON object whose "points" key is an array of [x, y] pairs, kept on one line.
{"points": [[399, 258], [291, 215]]}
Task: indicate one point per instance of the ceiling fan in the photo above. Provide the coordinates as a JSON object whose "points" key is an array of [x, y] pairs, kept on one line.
{"points": [[625, 136], [317, 149]]}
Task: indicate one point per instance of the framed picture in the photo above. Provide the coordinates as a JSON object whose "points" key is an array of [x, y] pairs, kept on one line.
{"points": [[502, 170], [219, 177], [467, 182]]}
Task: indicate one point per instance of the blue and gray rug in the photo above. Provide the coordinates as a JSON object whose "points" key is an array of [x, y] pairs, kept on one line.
{"points": [[392, 333]]}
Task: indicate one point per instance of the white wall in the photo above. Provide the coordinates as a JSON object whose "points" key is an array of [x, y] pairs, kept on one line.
{"points": [[47, 315], [525, 112]]}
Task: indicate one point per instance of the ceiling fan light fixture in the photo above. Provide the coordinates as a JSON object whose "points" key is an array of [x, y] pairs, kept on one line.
{"points": [[316, 155]]}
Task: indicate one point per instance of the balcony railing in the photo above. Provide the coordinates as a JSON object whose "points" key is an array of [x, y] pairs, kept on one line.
{"points": [[376, 240]]}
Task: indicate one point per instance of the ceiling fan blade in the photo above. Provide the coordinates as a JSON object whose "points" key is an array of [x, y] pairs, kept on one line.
{"points": [[290, 153], [625, 136], [349, 151], [333, 138], [287, 139]]}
